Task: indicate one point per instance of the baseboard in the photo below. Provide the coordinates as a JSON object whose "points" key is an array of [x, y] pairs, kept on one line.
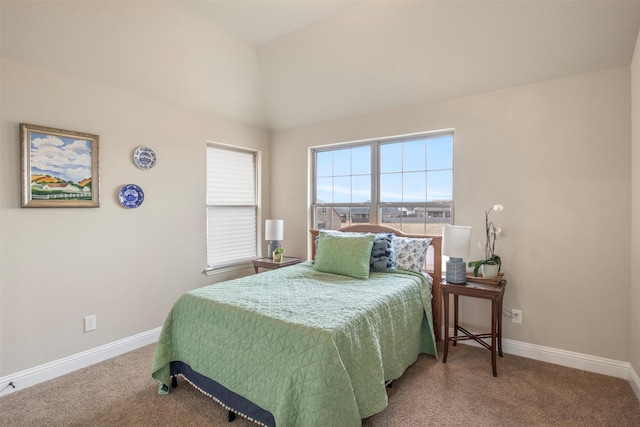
{"points": [[570, 359], [74, 362], [585, 362], [634, 380], [48, 371]]}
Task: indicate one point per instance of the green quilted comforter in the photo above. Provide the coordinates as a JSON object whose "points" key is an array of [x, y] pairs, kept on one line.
{"points": [[312, 348]]}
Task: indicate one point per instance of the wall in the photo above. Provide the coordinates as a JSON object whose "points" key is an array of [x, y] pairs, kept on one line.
{"points": [[634, 300], [158, 49], [126, 266], [556, 155]]}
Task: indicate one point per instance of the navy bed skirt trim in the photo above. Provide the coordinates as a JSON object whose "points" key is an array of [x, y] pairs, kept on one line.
{"points": [[227, 398]]}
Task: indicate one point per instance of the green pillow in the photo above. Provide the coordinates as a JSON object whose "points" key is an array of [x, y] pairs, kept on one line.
{"points": [[346, 254]]}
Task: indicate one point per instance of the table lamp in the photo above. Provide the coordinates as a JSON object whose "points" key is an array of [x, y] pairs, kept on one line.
{"points": [[273, 232], [456, 240]]}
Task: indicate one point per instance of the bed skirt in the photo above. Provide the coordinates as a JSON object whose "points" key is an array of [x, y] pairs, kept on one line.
{"points": [[225, 397]]}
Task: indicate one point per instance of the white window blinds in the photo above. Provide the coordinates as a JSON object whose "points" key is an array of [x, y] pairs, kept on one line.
{"points": [[231, 206]]}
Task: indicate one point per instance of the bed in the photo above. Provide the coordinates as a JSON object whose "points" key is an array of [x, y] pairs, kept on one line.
{"points": [[309, 344]]}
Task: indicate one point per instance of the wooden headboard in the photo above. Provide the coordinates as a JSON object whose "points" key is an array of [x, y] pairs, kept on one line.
{"points": [[433, 264]]}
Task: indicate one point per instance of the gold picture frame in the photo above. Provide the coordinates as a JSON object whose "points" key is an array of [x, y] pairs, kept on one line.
{"points": [[59, 168]]}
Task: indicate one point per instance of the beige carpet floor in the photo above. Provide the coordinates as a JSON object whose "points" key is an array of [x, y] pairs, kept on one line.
{"points": [[462, 392]]}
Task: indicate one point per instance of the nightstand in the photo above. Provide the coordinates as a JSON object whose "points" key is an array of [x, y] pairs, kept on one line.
{"points": [[270, 264], [495, 293]]}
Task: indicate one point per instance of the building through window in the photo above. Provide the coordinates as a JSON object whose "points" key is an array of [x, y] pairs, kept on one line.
{"points": [[404, 182]]}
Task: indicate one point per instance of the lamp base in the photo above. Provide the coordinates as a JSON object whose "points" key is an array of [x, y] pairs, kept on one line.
{"points": [[456, 271], [273, 245]]}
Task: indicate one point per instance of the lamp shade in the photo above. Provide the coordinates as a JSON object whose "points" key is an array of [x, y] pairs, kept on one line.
{"points": [[456, 241], [274, 229]]}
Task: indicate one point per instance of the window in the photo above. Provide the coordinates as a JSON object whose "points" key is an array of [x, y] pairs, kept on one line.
{"points": [[232, 206], [405, 183]]}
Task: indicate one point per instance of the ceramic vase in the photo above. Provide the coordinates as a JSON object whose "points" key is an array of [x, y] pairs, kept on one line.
{"points": [[490, 270]]}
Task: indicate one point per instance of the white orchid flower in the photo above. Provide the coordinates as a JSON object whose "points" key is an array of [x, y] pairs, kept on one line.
{"points": [[488, 246]]}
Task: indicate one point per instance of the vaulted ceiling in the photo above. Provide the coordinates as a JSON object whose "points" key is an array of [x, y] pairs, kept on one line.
{"points": [[288, 63], [258, 22], [323, 60]]}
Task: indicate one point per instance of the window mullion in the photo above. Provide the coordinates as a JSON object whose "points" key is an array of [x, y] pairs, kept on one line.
{"points": [[375, 183]]}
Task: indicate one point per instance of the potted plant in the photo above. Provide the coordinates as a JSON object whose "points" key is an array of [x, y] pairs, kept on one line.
{"points": [[491, 263], [278, 254]]}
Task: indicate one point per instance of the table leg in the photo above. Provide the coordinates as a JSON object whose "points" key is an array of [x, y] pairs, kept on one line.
{"points": [[255, 269], [446, 326], [500, 329], [455, 319], [494, 327]]}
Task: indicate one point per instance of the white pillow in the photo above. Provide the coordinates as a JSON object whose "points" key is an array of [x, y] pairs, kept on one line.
{"points": [[411, 252]]}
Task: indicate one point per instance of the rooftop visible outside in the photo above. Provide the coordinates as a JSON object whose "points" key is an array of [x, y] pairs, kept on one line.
{"points": [[405, 183]]}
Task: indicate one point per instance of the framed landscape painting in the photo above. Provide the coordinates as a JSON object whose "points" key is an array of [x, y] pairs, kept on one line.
{"points": [[59, 168]]}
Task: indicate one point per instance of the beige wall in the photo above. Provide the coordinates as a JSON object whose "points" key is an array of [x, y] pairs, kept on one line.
{"points": [[126, 266], [556, 155], [159, 49], [634, 300]]}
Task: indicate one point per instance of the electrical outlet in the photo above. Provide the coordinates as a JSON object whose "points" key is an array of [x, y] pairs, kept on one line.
{"points": [[516, 316], [90, 323]]}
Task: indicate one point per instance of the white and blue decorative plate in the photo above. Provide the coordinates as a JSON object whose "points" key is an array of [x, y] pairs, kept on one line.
{"points": [[144, 158], [131, 196]]}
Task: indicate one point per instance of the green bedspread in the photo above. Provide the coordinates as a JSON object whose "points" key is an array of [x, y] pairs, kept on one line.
{"points": [[314, 349]]}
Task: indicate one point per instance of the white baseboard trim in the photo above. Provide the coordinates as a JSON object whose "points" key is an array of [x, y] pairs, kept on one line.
{"points": [[77, 361], [634, 380], [585, 362], [570, 359], [48, 371]]}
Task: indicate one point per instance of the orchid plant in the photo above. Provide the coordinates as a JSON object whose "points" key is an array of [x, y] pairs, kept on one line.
{"points": [[489, 245]]}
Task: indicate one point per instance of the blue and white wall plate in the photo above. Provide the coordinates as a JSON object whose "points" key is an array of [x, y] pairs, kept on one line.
{"points": [[131, 196], [144, 158]]}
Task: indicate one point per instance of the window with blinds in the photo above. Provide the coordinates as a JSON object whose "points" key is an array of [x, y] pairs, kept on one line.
{"points": [[232, 206]]}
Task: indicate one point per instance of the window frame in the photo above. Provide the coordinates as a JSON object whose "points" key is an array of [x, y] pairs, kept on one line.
{"points": [[375, 206]]}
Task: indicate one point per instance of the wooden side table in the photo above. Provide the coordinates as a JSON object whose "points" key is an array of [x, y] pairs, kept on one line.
{"points": [[495, 293], [270, 264]]}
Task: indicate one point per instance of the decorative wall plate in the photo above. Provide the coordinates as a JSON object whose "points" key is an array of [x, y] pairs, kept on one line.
{"points": [[144, 158], [131, 196]]}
